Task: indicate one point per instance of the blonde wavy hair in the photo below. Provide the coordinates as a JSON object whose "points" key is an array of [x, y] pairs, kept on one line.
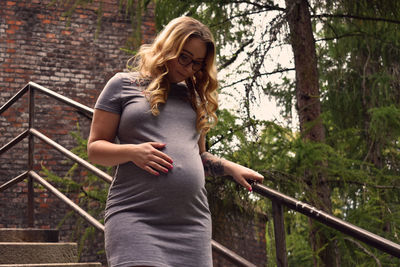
{"points": [[151, 62]]}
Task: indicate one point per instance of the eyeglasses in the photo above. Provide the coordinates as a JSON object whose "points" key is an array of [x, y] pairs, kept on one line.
{"points": [[185, 60]]}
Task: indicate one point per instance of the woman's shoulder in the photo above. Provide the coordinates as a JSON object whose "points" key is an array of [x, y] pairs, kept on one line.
{"points": [[132, 79]]}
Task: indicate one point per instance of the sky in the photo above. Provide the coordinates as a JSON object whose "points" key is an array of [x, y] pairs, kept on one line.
{"points": [[265, 108]]}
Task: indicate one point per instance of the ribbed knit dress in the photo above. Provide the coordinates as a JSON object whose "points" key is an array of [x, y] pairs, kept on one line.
{"points": [[156, 220]]}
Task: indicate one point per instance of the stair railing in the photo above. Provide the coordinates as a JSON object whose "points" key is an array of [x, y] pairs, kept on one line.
{"points": [[278, 199], [32, 176]]}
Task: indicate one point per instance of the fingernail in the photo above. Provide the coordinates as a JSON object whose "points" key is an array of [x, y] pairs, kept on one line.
{"points": [[250, 189], [170, 167]]}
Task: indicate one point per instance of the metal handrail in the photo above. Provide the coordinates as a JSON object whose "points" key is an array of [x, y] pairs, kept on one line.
{"points": [[66, 200], [31, 132], [107, 178], [15, 141], [329, 220], [72, 103], [13, 99]]}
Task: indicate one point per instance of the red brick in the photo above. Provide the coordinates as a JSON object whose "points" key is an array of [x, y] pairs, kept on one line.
{"points": [[50, 35], [43, 205]]}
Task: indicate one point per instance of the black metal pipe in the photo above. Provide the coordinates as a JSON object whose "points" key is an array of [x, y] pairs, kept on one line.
{"points": [[14, 98], [67, 201], [13, 181], [332, 221], [71, 155], [31, 152], [13, 142], [230, 255], [80, 107], [280, 235]]}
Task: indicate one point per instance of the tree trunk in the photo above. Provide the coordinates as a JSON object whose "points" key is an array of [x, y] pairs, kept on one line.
{"points": [[309, 111]]}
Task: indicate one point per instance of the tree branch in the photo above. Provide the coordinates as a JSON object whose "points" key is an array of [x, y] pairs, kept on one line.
{"points": [[366, 251], [340, 37], [239, 15], [257, 5], [256, 76], [365, 184], [234, 57], [349, 16]]}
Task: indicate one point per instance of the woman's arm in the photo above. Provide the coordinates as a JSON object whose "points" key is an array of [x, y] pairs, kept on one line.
{"points": [[102, 149], [215, 166]]}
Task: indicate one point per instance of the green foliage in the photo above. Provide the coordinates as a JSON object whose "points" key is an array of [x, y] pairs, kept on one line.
{"points": [[88, 190], [385, 123], [128, 9], [359, 190]]}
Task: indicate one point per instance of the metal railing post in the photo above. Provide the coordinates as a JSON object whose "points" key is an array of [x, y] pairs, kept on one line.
{"points": [[31, 157], [279, 231]]}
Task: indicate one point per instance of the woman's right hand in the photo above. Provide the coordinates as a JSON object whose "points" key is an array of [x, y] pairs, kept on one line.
{"points": [[148, 157], [102, 149]]}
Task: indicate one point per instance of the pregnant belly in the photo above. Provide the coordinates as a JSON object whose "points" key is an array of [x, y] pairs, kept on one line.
{"points": [[180, 189]]}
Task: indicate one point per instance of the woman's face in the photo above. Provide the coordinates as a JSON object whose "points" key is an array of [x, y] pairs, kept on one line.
{"points": [[190, 60]]}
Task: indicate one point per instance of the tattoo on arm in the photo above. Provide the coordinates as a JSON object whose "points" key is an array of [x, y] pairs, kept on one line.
{"points": [[213, 165]]}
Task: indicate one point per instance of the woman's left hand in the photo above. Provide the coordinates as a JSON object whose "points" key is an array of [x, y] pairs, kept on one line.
{"points": [[241, 174]]}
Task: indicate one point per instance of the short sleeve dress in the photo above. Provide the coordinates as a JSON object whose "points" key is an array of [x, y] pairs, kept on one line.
{"points": [[156, 220]]}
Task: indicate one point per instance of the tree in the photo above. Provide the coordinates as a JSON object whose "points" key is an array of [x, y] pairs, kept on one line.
{"points": [[309, 110]]}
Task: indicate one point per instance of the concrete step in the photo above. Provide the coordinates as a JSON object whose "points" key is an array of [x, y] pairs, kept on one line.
{"points": [[28, 235], [90, 264], [30, 252]]}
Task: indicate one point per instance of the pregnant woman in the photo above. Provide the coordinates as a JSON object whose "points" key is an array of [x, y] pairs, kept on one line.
{"points": [[151, 124]]}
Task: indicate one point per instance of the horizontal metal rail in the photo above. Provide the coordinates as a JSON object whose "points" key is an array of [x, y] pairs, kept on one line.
{"points": [[13, 181], [332, 221], [230, 256], [82, 108], [67, 201], [13, 142], [14, 98], [71, 155]]}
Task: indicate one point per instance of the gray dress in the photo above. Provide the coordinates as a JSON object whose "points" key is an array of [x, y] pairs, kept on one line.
{"points": [[156, 220]]}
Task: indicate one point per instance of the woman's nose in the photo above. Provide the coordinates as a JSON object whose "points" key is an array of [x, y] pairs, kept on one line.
{"points": [[189, 68]]}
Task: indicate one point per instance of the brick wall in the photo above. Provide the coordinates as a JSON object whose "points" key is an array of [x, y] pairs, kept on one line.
{"points": [[38, 44]]}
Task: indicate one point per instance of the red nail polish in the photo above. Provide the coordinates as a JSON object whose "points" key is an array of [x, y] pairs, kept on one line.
{"points": [[250, 189]]}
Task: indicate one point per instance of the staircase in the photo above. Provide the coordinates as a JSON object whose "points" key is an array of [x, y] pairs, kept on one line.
{"points": [[36, 248]]}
